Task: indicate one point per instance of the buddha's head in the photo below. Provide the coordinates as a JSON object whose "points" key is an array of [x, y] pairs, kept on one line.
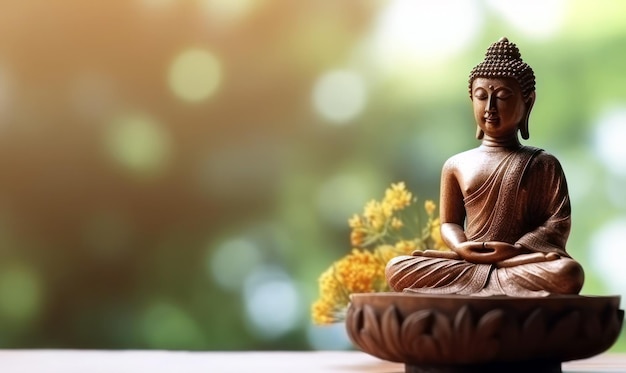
{"points": [[503, 62]]}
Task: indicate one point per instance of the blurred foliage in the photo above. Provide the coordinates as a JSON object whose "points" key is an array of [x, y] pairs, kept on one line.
{"points": [[177, 173]]}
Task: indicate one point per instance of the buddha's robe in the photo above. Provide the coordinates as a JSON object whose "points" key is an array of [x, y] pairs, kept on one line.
{"points": [[525, 201]]}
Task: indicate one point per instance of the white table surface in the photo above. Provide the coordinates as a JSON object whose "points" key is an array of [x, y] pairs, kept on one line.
{"points": [[98, 361]]}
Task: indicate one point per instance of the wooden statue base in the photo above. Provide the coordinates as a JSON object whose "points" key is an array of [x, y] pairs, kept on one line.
{"points": [[465, 334]]}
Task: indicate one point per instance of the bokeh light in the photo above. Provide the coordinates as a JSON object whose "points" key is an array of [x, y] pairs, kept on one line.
{"points": [[609, 138], [423, 33], [165, 325], [329, 337], [339, 96], [139, 143], [583, 18], [272, 302], [539, 19], [229, 12], [615, 191], [232, 261], [608, 256], [195, 75], [20, 293]]}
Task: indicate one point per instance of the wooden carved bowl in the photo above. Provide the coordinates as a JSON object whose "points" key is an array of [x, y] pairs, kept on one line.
{"points": [[437, 331]]}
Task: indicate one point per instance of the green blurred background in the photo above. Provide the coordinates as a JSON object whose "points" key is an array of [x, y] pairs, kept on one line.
{"points": [[177, 174]]}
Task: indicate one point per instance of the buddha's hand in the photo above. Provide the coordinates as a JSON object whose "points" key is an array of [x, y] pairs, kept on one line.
{"points": [[447, 254], [489, 252], [528, 259]]}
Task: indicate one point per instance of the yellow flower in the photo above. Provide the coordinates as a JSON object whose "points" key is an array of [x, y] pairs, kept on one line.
{"points": [[371, 209], [375, 215], [359, 272], [355, 221], [363, 271], [430, 207], [387, 209], [357, 237], [435, 234], [386, 253], [397, 196], [396, 223], [323, 312], [332, 298], [405, 247], [330, 287]]}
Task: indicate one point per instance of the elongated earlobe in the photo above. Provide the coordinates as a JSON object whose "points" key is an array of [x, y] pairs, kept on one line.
{"points": [[523, 126], [479, 133]]}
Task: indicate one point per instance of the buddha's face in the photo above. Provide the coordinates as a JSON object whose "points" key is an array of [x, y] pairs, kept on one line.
{"points": [[498, 107]]}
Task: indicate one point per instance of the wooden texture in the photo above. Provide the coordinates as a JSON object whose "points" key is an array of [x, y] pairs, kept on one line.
{"points": [[456, 331], [504, 207], [73, 361]]}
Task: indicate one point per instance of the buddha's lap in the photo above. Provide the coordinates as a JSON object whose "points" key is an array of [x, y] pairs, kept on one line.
{"points": [[563, 275]]}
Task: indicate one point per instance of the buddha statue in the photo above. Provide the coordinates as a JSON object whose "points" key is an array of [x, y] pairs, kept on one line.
{"points": [[504, 207]]}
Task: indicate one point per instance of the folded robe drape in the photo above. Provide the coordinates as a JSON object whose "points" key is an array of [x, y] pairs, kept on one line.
{"points": [[525, 200]]}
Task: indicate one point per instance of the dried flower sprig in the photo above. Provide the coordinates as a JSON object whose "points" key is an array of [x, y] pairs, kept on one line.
{"points": [[384, 230]]}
